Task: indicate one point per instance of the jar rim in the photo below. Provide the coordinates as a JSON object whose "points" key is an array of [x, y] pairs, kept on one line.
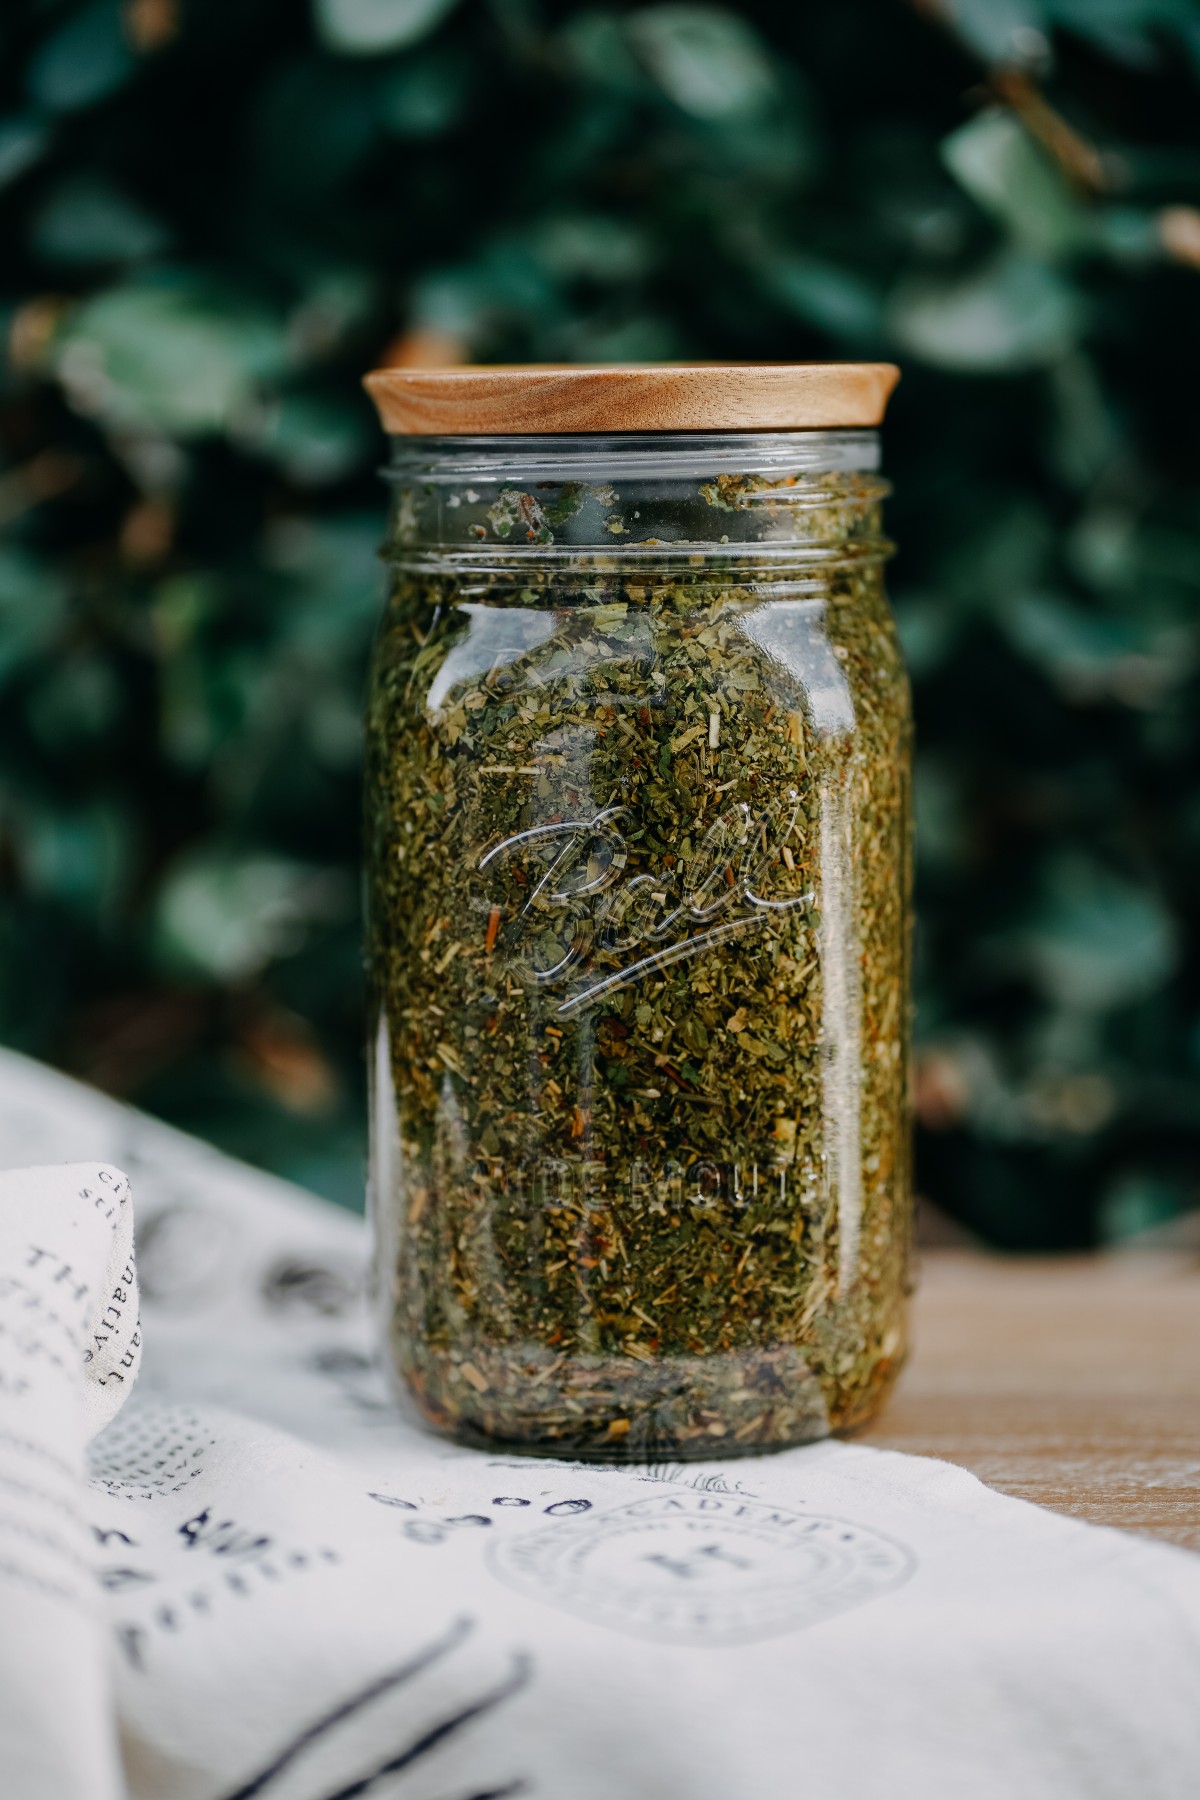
{"points": [[596, 456], [532, 399]]}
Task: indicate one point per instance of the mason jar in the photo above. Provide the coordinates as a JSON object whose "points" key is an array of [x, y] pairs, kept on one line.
{"points": [[638, 753]]}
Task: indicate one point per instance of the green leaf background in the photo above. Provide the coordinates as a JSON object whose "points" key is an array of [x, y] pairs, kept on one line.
{"points": [[216, 217]]}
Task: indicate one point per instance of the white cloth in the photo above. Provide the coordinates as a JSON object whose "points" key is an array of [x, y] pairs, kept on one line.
{"points": [[275, 1585]]}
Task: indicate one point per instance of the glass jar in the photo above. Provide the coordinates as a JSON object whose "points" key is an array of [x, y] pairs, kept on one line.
{"points": [[638, 753]]}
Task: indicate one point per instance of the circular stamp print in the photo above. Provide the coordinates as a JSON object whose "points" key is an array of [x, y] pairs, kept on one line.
{"points": [[702, 1568]]}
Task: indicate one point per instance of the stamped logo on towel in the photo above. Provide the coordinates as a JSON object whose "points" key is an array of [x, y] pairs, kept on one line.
{"points": [[703, 1568]]}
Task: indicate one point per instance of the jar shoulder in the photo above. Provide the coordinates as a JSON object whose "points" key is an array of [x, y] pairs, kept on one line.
{"points": [[441, 654]]}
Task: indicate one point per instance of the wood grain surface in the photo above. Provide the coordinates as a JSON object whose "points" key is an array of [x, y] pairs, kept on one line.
{"points": [[1073, 1383], [538, 398]]}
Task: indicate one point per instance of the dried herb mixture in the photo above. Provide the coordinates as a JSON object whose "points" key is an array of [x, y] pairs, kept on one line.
{"points": [[638, 883]]}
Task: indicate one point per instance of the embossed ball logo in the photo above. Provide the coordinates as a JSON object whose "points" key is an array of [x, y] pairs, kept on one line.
{"points": [[702, 1568], [561, 908]]}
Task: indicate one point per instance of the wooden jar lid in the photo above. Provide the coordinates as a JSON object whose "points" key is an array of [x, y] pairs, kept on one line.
{"points": [[501, 399]]}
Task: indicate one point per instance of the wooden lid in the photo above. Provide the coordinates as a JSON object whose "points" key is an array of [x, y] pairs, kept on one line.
{"points": [[497, 400]]}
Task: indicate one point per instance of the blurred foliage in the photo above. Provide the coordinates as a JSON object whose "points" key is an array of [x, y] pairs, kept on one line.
{"points": [[216, 216]]}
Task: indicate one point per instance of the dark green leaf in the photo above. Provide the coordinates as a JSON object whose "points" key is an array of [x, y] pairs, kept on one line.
{"points": [[86, 60]]}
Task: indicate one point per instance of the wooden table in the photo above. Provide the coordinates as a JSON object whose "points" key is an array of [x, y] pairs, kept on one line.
{"points": [[1073, 1382]]}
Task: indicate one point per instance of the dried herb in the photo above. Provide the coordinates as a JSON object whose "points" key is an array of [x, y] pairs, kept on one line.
{"points": [[638, 862]]}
